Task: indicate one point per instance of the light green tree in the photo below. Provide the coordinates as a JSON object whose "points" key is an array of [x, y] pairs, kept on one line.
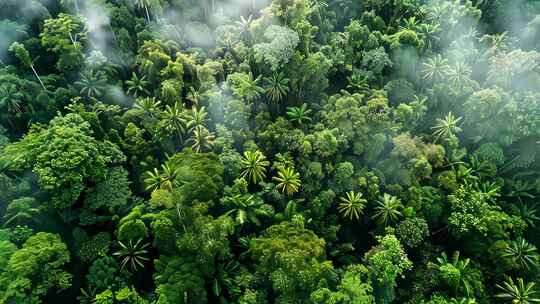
{"points": [[352, 205], [22, 54], [254, 165]]}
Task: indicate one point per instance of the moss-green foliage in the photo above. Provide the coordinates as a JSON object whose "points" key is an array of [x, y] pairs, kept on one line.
{"points": [[65, 156], [34, 269], [351, 289], [474, 211], [111, 194], [102, 274], [96, 246], [411, 232], [200, 175], [269, 151], [387, 262], [291, 259], [180, 280]]}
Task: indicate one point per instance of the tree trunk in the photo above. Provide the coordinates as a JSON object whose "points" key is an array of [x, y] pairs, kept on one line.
{"points": [[71, 38], [114, 35], [35, 73], [147, 14]]}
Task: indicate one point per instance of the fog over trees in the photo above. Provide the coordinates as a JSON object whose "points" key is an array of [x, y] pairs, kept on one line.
{"points": [[269, 151]]}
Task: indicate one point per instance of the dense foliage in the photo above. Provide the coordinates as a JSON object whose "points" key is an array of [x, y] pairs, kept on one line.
{"points": [[269, 151]]}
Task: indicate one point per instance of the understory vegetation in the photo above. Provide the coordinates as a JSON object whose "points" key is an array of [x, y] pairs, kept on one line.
{"points": [[269, 151]]}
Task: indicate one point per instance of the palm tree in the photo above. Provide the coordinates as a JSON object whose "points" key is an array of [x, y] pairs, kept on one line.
{"points": [[436, 13], [522, 189], [137, 85], [528, 214], [174, 121], [410, 23], [472, 33], [87, 295], [519, 293], [428, 32], [153, 180], [11, 98], [149, 104], [132, 254], [446, 127], [169, 172], [91, 85], [194, 96], [22, 54], [464, 174], [387, 209], [244, 25], [318, 7], [359, 82], [460, 75], [250, 90], [352, 205], [254, 165], [461, 277], [161, 180], [522, 254], [196, 117], [276, 87], [226, 46], [299, 115], [435, 68], [290, 210], [22, 210], [248, 208], [223, 279], [202, 139], [288, 180], [497, 42], [144, 4]]}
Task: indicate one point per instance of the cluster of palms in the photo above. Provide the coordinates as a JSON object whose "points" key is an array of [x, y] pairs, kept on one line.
{"points": [[385, 212], [174, 119], [275, 86], [179, 122], [463, 276], [437, 69], [161, 179], [254, 165], [429, 32]]}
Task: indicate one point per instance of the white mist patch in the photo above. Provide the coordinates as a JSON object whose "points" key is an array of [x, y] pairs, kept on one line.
{"points": [[97, 22], [231, 10], [117, 95], [10, 32], [201, 33]]}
